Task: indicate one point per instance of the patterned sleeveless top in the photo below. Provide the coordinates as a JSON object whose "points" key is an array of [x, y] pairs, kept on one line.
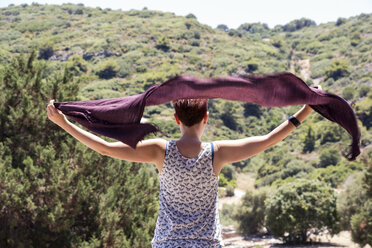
{"points": [[188, 213]]}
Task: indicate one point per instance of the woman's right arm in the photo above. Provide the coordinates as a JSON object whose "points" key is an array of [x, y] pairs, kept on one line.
{"points": [[149, 151]]}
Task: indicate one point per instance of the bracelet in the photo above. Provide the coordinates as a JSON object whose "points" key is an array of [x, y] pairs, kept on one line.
{"points": [[294, 121]]}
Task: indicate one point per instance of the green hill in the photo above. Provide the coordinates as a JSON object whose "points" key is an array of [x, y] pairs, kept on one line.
{"points": [[115, 53]]}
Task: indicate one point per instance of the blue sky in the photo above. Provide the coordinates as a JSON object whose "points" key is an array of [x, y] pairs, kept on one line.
{"points": [[236, 12]]}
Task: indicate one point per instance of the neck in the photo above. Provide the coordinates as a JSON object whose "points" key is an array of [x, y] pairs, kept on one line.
{"points": [[193, 133]]}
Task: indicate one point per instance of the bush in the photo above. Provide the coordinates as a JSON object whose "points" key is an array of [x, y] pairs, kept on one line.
{"points": [[251, 213], [299, 207], [46, 50], [229, 172], [350, 200], [77, 65], [329, 132], [191, 16], [229, 116], [355, 38], [309, 141], [222, 27], [333, 175], [298, 24], [329, 156], [250, 66], [355, 205], [337, 69], [222, 181], [361, 225], [251, 109], [124, 69], [364, 111], [107, 69], [229, 190], [163, 43], [348, 92], [340, 21], [364, 90]]}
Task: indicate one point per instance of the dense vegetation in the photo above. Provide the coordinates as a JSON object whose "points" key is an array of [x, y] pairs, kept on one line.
{"points": [[54, 191]]}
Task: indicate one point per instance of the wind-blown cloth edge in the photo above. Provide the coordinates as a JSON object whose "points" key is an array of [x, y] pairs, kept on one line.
{"points": [[119, 118]]}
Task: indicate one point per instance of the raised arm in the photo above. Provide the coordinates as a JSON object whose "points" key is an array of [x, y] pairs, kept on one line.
{"points": [[149, 151], [229, 151]]}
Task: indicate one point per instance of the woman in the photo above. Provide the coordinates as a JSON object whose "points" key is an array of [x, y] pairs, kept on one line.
{"points": [[188, 170]]}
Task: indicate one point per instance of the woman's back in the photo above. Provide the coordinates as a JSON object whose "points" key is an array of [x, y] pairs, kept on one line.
{"points": [[188, 214]]}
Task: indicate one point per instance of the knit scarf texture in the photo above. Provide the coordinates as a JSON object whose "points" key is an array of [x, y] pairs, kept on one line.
{"points": [[119, 118]]}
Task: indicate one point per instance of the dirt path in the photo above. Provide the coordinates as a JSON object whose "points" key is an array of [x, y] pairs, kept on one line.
{"points": [[305, 69], [244, 181], [232, 239]]}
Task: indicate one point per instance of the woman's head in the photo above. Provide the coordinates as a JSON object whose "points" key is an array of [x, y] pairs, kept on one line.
{"points": [[190, 111]]}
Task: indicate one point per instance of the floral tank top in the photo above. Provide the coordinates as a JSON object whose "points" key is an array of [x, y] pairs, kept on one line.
{"points": [[188, 212]]}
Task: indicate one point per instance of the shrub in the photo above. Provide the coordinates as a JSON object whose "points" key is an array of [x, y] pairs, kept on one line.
{"points": [[318, 68], [250, 66], [350, 200], [251, 213], [254, 28], [107, 69], [361, 225], [229, 190], [337, 69], [298, 24], [355, 204], [228, 116], [301, 206], [124, 69], [46, 50], [229, 172], [364, 90], [333, 175], [329, 156], [340, 21], [355, 38], [195, 42], [191, 16], [251, 109], [163, 43], [222, 27], [76, 65], [222, 181], [314, 47], [364, 111], [329, 132], [348, 92], [234, 33], [309, 141]]}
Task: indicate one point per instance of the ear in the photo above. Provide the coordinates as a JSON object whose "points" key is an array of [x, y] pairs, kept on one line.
{"points": [[205, 118], [177, 119]]}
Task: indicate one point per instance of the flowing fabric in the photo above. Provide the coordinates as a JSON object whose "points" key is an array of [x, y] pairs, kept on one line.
{"points": [[119, 118]]}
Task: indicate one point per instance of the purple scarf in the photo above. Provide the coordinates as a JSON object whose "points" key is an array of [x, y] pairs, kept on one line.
{"points": [[119, 118]]}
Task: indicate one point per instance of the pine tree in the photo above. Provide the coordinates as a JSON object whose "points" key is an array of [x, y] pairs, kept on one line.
{"points": [[309, 142], [56, 192]]}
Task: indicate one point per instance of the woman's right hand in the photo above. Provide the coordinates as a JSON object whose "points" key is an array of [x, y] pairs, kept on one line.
{"points": [[54, 114]]}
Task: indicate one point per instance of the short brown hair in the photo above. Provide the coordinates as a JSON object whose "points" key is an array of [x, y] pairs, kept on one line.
{"points": [[190, 111]]}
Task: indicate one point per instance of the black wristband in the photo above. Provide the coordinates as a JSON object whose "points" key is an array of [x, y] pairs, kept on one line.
{"points": [[294, 121]]}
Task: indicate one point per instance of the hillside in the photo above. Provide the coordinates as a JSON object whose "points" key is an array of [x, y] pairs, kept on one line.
{"points": [[116, 53], [112, 53]]}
